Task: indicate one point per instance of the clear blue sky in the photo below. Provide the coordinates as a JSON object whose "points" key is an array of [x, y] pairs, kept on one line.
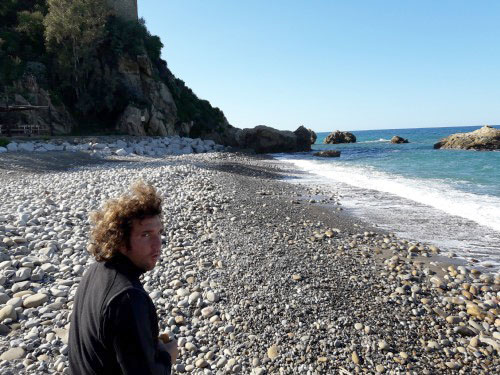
{"points": [[348, 65]]}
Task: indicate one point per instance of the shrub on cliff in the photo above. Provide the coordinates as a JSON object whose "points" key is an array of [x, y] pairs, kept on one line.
{"points": [[21, 37], [132, 38]]}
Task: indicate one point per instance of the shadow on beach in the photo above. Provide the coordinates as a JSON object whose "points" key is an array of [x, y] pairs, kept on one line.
{"points": [[246, 170], [48, 161]]}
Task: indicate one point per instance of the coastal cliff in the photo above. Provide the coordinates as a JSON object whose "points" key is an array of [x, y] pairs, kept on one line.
{"points": [[115, 82], [96, 72]]}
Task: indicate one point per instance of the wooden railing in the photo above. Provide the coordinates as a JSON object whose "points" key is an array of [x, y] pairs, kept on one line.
{"points": [[12, 130], [23, 130]]}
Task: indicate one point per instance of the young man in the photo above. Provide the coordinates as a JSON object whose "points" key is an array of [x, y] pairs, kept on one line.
{"points": [[114, 326]]}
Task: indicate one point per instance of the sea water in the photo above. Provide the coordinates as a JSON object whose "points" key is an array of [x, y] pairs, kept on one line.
{"points": [[449, 198]]}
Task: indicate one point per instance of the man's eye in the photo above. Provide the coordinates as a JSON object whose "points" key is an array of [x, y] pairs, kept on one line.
{"points": [[146, 235]]}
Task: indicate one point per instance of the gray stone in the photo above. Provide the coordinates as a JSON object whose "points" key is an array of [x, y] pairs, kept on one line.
{"points": [[8, 312], [16, 302], [12, 354], [35, 300], [22, 274]]}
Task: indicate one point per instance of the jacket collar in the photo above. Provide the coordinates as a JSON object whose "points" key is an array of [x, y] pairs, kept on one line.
{"points": [[124, 265]]}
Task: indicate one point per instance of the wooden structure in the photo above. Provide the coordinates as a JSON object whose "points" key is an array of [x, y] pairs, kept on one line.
{"points": [[23, 129]]}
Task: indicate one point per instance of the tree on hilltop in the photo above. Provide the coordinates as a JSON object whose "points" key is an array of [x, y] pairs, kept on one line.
{"points": [[74, 29]]}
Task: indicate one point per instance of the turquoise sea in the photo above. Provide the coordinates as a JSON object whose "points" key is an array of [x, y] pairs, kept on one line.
{"points": [[450, 198]]}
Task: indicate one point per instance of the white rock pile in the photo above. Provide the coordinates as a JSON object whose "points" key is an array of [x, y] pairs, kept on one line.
{"points": [[147, 146]]}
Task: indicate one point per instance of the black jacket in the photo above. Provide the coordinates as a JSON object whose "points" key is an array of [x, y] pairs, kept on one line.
{"points": [[114, 326]]}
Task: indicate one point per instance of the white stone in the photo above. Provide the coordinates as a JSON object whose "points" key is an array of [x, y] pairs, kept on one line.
{"points": [[99, 146], [28, 147], [35, 300], [49, 147], [62, 334], [11, 354], [84, 147], [194, 297], [212, 296], [12, 147], [121, 144], [58, 292], [8, 312], [48, 267], [207, 312], [19, 239], [121, 152], [182, 292], [22, 274], [16, 302]]}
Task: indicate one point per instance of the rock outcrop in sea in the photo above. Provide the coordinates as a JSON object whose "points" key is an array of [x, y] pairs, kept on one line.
{"points": [[486, 138], [328, 154], [398, 139], [340, 137]]}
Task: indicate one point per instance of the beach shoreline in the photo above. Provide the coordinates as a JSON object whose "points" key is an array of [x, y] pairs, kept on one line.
{"points": [[258, 275]]}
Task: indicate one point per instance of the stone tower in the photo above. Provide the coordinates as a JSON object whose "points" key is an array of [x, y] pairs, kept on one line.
{"points": [[126, 9]]}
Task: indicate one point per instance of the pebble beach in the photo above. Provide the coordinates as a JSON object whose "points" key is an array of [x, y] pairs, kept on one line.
{"points": [[257, 275]]}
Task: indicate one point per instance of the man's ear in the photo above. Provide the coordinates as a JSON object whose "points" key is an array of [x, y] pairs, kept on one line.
{"points": [[123, 249]]}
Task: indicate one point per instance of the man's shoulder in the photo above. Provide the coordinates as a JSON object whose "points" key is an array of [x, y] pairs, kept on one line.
{"points": [[108, 282], [130, 298]]}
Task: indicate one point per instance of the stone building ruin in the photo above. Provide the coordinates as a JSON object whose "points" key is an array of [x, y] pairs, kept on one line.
{"points": [[126, 9]]}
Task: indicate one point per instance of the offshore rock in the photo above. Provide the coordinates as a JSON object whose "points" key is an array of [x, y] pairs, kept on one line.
{"points": [[328, 154], [340, 137], [398, 139], [487, 138]]}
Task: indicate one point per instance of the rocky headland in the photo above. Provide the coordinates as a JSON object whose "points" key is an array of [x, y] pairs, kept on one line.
{"points": [[257, 276], [485, 139], [114, 83]]}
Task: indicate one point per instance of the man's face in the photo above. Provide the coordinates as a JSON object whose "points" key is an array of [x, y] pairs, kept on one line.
{"points": [[145, 243]]}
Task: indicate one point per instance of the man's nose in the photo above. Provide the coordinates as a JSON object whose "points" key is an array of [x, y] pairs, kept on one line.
{"points": [[156, 241]]}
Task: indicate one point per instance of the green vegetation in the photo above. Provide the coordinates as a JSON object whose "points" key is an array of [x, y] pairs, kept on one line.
{"points": [[74, 30], [191, 108], [4, 142], [132, 38], [21, 37], [73, 49]]}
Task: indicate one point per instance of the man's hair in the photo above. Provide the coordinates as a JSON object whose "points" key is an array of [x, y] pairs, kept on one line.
{"points": [[112, 224]]}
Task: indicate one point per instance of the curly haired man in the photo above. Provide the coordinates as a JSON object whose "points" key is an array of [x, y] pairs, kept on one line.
{"points": [[114, 325]]}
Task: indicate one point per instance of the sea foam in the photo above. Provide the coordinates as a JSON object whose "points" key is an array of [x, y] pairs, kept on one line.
{"points": [[482, 209]]}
